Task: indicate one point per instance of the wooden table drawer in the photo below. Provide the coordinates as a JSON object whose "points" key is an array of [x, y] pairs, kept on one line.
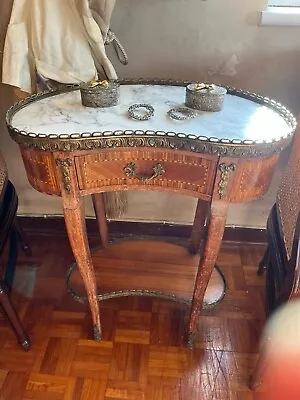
{"points": [[182, 171]]}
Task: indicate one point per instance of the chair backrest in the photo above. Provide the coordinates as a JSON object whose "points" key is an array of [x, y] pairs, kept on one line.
{"points": [[283, 275], [282, 259], [288, 209], [288, 196]]}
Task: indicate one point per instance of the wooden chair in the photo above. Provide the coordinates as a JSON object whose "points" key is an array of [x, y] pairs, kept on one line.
{"points": [[10, 232], [282, 260]]}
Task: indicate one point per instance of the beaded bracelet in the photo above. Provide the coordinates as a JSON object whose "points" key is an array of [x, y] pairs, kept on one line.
{"points": [[181, 113], [148, 112]]}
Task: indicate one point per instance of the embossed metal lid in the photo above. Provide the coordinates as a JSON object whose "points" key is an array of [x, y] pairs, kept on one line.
{"points": [[206, 89]]}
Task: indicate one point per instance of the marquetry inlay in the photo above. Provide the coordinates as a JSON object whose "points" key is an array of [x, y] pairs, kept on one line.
{"points": [[181, 171]]}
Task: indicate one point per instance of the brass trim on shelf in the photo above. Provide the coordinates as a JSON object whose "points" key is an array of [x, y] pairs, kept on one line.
{"points": [[139, 292], [121, 293], [159, 139]]}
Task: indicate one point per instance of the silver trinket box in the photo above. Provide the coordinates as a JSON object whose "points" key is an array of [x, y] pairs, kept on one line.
{"points": [[205, 97], [100, 93]]}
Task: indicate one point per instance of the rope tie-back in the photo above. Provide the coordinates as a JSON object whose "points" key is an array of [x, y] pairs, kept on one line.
{"points": [[121, 52]]}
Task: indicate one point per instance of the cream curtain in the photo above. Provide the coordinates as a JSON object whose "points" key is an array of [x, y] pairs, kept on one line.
{"points": [[60, 40]]}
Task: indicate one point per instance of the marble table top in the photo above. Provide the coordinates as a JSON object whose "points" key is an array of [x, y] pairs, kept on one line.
{"points": [[240, 118]]}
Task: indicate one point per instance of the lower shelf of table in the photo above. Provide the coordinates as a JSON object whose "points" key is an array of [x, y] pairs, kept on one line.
{"points": [[144, 267]]}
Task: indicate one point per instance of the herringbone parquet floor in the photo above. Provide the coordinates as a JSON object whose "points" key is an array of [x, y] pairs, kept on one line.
{"points": [[142, 355]]}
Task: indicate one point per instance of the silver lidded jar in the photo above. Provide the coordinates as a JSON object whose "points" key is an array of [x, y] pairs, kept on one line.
{"points": [[205, 97], [100, 93]]}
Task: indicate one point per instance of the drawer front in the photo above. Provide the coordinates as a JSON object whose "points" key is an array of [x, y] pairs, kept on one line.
{"points": [[162, 170]]}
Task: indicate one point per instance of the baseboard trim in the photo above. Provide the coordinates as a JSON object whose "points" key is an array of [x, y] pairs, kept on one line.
{"points": [[56, 226]]}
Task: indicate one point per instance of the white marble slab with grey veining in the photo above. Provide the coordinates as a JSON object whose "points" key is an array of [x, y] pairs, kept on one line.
{"points": [[240, 118]]}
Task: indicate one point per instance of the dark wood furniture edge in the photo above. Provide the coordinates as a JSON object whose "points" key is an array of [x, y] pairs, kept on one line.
{"points": [[56, 225]]}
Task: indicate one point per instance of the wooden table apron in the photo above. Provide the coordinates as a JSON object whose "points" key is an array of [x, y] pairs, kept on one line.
{"points": [[215, 173]]}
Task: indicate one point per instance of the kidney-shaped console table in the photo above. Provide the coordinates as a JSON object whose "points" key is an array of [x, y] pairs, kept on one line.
{"points": [[220, 158]]}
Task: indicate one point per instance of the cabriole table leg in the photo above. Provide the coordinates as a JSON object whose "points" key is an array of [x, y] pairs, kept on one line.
{"points": [[76, 228], [216, 229], [73, 206]]}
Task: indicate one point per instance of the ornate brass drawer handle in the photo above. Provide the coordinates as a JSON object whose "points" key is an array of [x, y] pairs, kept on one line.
{"points": [[130, 171]]}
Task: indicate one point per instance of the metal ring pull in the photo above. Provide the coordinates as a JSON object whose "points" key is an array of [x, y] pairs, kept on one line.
{"points": [[130, 171]]}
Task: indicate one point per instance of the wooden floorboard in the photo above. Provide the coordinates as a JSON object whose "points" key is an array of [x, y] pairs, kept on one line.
{"points": [[142, 354]]}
